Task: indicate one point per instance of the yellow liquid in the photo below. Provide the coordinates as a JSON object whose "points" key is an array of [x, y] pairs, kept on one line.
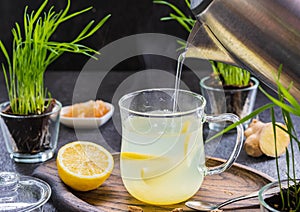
{"points": [[162, 158]]}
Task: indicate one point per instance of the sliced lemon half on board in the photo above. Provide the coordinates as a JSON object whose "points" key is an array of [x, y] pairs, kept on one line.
{"points": [[84, 165]]}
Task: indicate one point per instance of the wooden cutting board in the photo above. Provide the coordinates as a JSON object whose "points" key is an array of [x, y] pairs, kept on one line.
{"points": [[112, 195]]}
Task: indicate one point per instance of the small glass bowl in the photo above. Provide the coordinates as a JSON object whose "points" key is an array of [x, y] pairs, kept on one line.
{"points": [[22, 193]]}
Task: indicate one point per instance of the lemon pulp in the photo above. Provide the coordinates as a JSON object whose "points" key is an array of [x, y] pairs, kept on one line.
{"points": [[84, 165]]}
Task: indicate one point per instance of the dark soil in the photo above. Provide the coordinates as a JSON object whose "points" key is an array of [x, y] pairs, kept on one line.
{"points": [[30, 135], [276, 202], [235, 101]]}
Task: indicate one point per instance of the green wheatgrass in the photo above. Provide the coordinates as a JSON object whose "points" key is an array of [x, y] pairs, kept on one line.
{"points": [[33, 52]]}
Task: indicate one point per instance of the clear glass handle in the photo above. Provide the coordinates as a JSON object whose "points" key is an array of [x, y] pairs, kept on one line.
{"points": [[238, 144]]}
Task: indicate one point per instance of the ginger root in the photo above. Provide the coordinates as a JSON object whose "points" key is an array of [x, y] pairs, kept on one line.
{"points": [[252, 134], [260, 139], [251, 146], [267, 140], [87, 109]]}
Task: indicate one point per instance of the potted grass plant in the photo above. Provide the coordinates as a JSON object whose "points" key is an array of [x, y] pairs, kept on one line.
{"points": [[30, 119], [283, 194], [229, 88]]}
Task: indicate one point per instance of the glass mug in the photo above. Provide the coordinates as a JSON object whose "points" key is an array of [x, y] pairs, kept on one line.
{"points": [[162, 158]]}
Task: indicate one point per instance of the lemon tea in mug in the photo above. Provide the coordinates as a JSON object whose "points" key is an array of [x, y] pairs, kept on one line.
{"points": [[162, 153]]}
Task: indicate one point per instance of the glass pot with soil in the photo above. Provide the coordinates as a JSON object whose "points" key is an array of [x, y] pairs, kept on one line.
{"points": [[281, 196], [228, 99], [30, 138]]}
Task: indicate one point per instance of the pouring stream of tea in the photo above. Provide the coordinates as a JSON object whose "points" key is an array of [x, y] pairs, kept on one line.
{"points": [[180, 62]]}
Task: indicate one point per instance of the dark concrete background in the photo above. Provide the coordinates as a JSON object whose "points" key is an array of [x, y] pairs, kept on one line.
{"points": [[129, 17]]}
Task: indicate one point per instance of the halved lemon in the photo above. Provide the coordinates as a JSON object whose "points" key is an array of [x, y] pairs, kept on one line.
{"points": [[84, 165]]}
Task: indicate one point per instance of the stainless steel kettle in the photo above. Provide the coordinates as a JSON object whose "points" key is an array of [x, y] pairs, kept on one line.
{"points": [[258, 35]]}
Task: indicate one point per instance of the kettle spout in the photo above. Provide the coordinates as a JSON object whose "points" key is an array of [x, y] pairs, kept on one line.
{"points": [[203, 44]]}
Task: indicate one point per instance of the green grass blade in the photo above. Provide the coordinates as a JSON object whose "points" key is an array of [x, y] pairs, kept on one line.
{"points": [[4, 51], [66, 10], [288, 96], [187, 2], [243, 120], [39, 11], [96, 28], [182, 45], [181, 22], [63, 19], [172, 6], [281, 104]]}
